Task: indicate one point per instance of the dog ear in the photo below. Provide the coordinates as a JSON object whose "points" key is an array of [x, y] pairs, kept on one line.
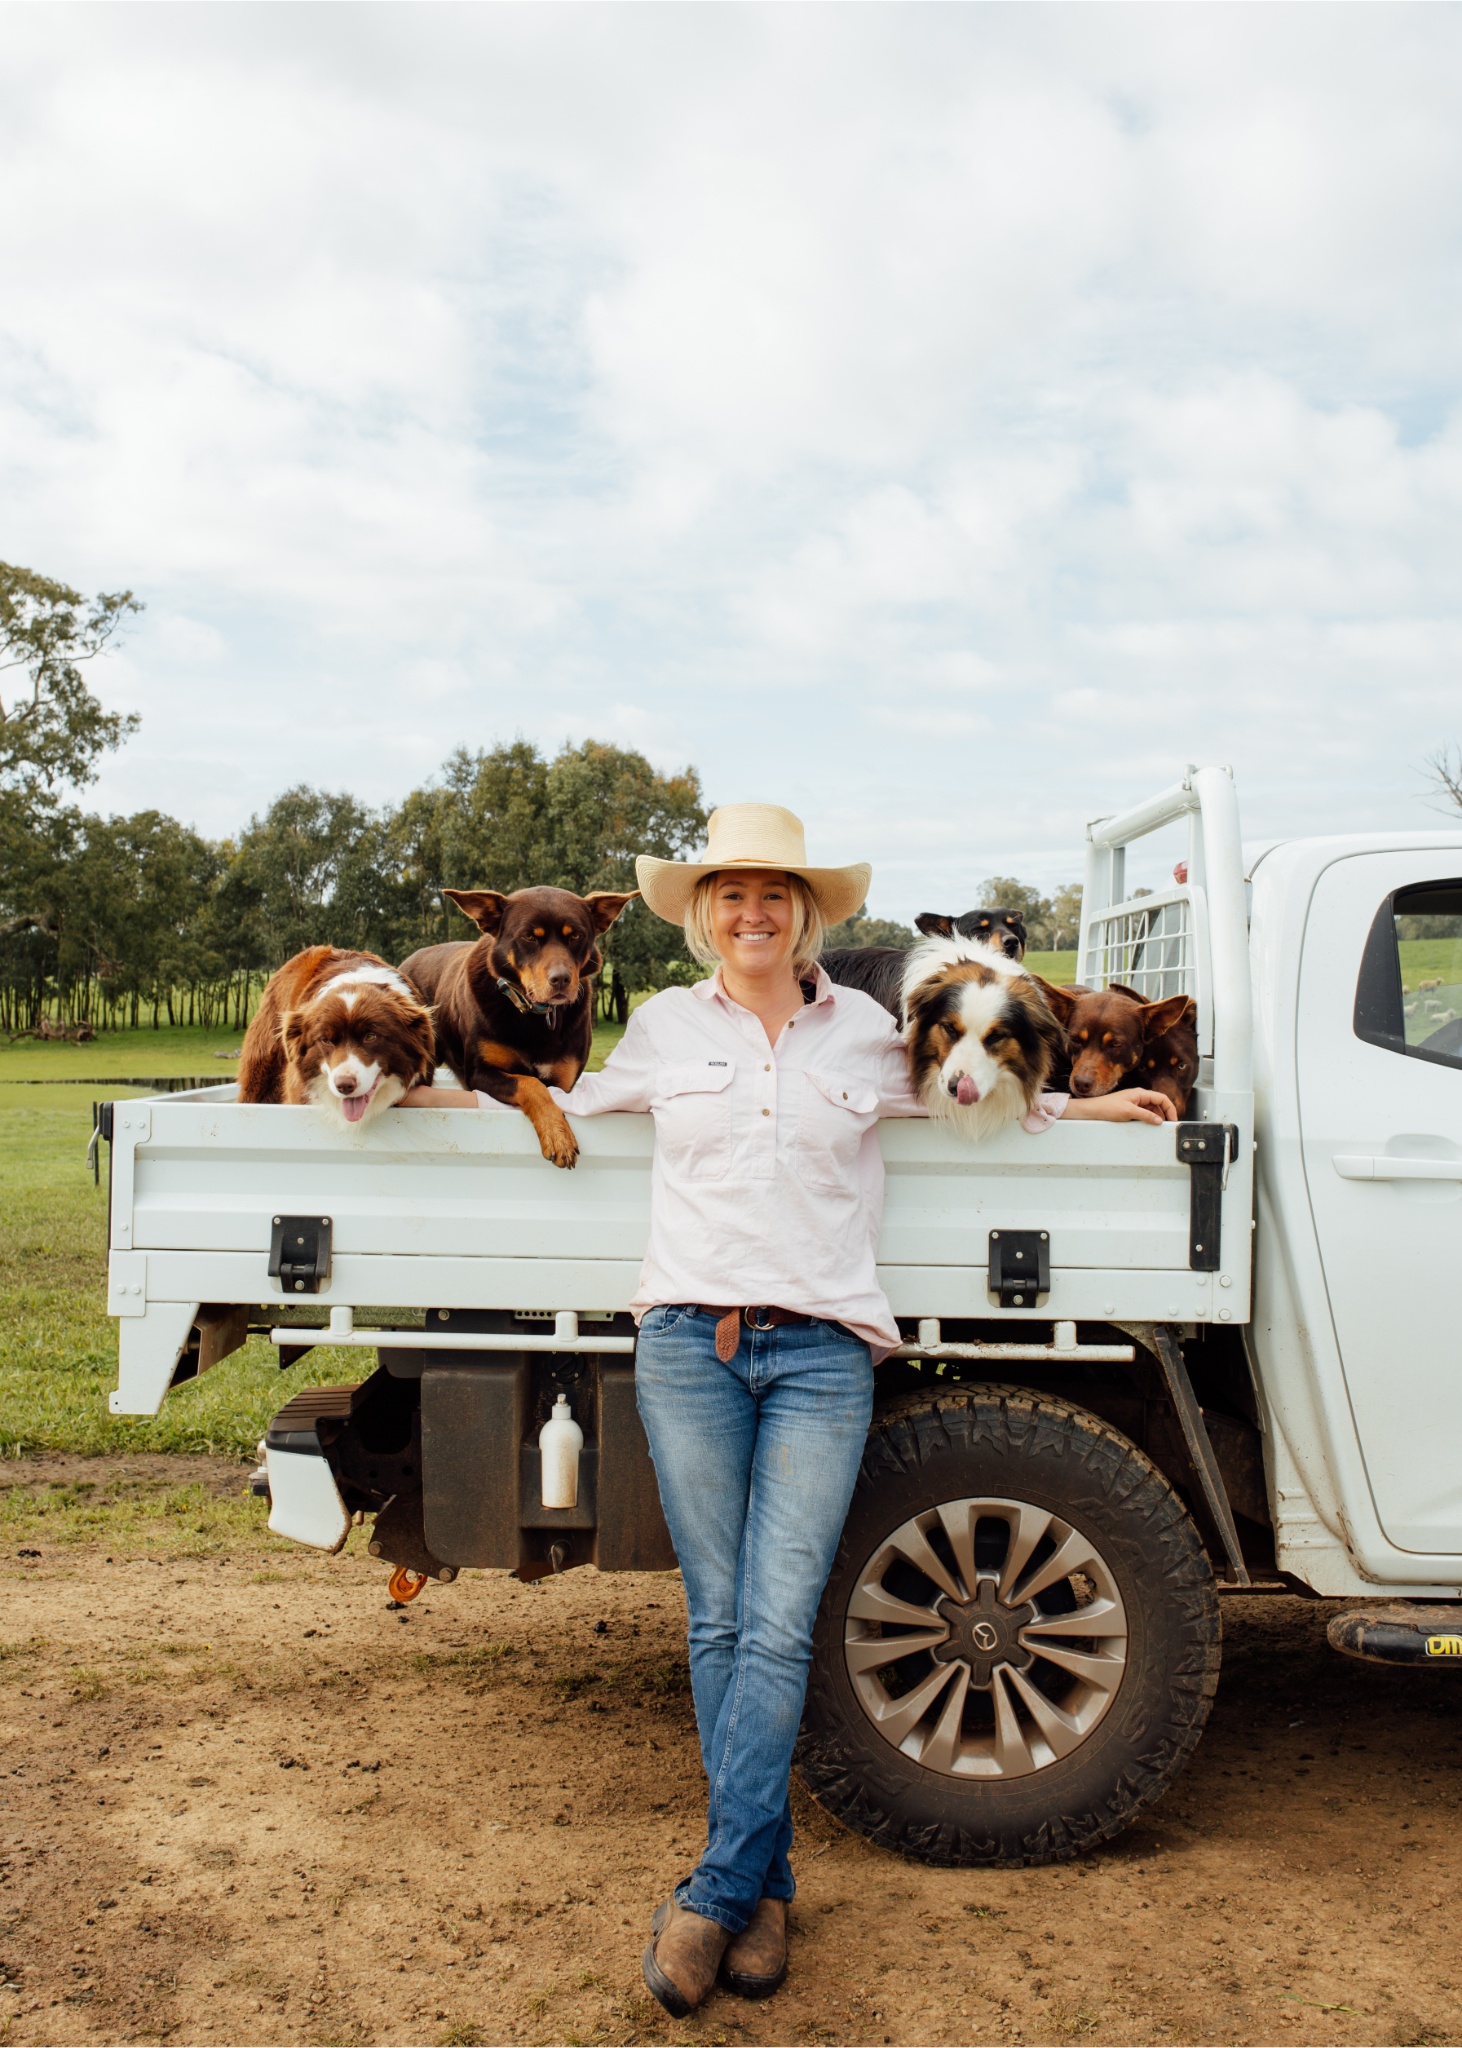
{"points": [[292, 1030], [934, 924], [1160, 1018], [484, 906], [424, 1043], [605, 905], [1062, 1001]]}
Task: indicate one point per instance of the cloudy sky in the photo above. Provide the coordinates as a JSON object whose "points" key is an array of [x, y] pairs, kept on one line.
{"points": [[945, 420]]}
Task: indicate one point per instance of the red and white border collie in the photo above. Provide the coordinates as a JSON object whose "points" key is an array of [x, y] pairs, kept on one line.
{"points": [[339, 1028], [981, 1038]]}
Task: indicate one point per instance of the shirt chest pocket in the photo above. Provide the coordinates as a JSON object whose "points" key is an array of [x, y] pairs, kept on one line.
{"points": [[836, 1111], [692, 1110]]}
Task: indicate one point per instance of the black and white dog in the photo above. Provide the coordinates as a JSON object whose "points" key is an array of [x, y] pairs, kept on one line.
{"points": [[879, 970]]}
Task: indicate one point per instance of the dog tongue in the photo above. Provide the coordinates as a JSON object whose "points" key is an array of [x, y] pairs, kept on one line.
{"points": [[355, 1106], [966, 1092]]}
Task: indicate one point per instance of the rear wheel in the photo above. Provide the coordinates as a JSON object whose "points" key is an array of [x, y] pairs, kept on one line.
{"points": [[1018, 1646]]}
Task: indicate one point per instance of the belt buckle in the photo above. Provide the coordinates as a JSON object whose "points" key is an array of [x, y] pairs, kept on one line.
{"points": [[750, 1312]]}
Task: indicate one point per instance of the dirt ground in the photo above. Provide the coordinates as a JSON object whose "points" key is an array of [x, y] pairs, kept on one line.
{"points": [[247, 1800]]}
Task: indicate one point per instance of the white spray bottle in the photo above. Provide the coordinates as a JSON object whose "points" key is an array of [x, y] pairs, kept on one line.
{"points": [[559, 1443]]}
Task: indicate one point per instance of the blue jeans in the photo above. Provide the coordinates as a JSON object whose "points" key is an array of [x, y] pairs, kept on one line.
{"points": [[756, 1462]]}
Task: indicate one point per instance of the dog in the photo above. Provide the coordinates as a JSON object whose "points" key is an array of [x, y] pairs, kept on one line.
{"points": [[1115, 1038], [982, 1041], [879, 970], [341, 1028], [515, 1007], [1002, 928]]}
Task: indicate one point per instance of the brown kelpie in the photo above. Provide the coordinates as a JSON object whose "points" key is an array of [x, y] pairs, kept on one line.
{"points": [[515, 1008], [1115, 1038]]}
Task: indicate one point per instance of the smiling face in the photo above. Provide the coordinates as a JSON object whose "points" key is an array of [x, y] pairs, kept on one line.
{"points": [[754, 921]]}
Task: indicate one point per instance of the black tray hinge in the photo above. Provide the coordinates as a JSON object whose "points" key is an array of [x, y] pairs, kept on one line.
{"points": [[101, 1129], [1206, 1149], [299, 1253], [1020, 1266]]}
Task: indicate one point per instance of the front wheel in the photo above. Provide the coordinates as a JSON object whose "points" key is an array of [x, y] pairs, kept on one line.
{"points": [[1018, 1646]]}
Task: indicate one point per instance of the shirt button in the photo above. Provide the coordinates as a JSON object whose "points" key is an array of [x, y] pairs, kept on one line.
{"points": [[845, 1095], [766, 1112], [767, 1068]]}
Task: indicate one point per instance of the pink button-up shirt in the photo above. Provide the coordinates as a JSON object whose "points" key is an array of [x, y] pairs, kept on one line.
{"points": [[767, 1183]]}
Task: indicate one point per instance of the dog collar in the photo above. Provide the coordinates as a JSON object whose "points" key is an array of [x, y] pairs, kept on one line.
{"points": [[526, 1008]]}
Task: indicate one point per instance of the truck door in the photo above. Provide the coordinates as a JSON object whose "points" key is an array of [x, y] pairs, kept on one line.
{"points": [[1379, 1050]]}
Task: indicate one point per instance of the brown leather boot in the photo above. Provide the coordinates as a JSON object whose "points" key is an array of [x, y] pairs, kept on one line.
{"points": [[680, 1963], [755, 1962]]}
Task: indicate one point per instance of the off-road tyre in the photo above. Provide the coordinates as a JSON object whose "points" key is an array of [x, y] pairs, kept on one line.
{"points": [[997, 1442]]}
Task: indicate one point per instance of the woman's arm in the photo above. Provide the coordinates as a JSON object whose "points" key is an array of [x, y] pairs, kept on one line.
{"points": [[1125, 1106], [438, 1098]]}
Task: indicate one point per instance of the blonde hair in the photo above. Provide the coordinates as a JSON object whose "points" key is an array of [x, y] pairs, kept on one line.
{"points": [[809, 927]]}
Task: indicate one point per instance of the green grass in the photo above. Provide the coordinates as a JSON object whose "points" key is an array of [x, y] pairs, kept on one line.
{"points": [[1057, 967], [1429, 960], [147, 1054], [134, 1512]]}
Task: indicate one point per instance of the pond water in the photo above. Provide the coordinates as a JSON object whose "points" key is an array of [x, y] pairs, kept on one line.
{"points": [[161, 1084]]}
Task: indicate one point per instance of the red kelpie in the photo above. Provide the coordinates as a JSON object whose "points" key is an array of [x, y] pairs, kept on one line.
{"points": [[515, 1008], [1116, 1038]]}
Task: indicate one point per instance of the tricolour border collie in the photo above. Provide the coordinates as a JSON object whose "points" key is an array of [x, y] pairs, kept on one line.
{"points": [[981, 1038], [337, 1028]]}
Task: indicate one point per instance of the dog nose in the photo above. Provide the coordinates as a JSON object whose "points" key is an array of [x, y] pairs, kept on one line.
{"points": [[1080, 1085], [559, 979], [345, 1084]]}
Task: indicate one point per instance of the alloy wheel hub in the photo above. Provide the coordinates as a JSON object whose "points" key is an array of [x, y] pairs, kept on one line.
{"points": [[983, 1632], [985, 1638]]}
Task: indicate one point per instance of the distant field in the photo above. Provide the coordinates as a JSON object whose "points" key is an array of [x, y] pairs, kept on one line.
{"points": [[1429, 960], [147, 1054], [1057, 967]]}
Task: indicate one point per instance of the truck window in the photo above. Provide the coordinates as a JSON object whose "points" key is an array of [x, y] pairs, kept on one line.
{"points": [[1409, 995]]}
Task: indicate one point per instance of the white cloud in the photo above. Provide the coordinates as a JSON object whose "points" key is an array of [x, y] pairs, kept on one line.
{"points": [[948, 421]]}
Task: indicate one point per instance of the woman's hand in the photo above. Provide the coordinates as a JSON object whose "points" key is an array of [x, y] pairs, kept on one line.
{"points": [[1125, 1106]]}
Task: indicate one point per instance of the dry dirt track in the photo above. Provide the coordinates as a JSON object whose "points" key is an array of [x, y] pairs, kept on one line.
{"points": [[246, 1801]]}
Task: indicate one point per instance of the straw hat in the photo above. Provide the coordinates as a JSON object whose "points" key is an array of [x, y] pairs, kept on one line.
{"points": [[752, 836]]}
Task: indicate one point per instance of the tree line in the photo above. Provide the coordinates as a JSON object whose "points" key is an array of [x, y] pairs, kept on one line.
{"points": [[115, 921]]}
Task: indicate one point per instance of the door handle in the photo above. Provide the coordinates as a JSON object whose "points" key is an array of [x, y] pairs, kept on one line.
{"points": [[1383, 1166]]}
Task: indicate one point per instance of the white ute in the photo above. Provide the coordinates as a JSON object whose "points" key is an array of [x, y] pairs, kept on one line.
{"points": [[1220, 1378]]}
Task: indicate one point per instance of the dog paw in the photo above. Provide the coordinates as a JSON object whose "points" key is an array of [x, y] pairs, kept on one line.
{"points": [[560, 1148]]}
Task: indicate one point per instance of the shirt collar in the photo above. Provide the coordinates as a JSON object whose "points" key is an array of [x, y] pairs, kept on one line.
{"points": [[715, 987]]}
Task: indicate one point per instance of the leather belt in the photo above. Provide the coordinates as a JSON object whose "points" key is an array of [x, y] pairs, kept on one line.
{"points": [[728, 1324]]}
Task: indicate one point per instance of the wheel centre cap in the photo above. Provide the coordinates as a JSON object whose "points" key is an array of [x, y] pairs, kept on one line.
{"points": [[984, 1632]]}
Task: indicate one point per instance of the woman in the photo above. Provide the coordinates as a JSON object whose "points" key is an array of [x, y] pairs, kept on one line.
{"points": [[760, 1322]]}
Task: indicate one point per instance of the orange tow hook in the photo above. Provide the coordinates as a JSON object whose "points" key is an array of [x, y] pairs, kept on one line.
{"points": [[404, 1584]]}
